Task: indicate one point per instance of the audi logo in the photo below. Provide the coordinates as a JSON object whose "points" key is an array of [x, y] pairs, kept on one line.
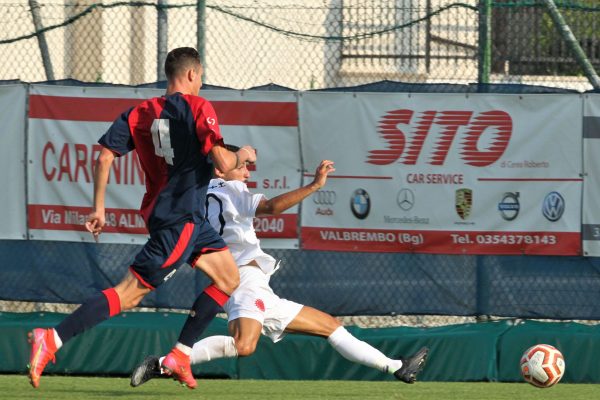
{"points": [[324, 197]]}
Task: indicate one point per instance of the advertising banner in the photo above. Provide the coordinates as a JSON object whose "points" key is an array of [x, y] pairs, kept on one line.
{"points": [[444, 173], [12, 162], [590, 228], [65, 124]]}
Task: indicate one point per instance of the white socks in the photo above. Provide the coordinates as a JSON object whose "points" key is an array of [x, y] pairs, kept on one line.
{"points": [[213, 347], [187, 350], [361, 352], [57, 340], [341, 340]]}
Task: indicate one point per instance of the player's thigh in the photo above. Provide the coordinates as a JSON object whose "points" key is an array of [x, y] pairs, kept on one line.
{"points": [[210, 255], [221, 269], [311, 321]]}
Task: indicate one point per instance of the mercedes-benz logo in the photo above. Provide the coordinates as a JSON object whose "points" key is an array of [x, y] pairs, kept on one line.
{"points": [[405, 199]]}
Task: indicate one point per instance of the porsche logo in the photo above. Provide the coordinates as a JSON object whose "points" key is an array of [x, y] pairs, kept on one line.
{"points": [[463, 202]]}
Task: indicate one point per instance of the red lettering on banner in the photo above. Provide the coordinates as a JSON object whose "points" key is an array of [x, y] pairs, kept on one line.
{"points": [[48, 174], [71, 218], [76, 163], [388, 129], [441, 242], [81, 161], [64, 164], [282, 226], [408, 150]]}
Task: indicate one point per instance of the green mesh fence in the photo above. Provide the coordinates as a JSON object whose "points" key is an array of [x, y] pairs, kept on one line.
{"points": [[301, 44]]}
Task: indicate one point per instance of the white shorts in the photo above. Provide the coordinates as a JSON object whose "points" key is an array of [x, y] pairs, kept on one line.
{"points": [[255, 299]]}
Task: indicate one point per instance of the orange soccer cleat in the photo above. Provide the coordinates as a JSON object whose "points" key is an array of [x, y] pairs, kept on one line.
{"points": [[177, 364], [42, 351]]}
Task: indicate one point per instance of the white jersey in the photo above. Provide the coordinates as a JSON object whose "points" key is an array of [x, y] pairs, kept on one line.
{"points": [[230, 209]]}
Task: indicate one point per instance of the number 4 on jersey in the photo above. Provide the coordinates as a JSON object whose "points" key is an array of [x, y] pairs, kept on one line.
{"points": [[161, 138]]}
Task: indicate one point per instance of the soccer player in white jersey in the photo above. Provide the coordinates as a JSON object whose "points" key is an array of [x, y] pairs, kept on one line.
{"points": [[254, 308]]}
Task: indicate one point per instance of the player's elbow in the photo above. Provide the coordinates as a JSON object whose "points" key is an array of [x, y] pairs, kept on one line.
{"points": [[106, 157], [270, 208]]}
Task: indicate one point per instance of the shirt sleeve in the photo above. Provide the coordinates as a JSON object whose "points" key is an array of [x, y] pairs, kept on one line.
{"points": [[245, 202], [207, 125], [118, 137]]}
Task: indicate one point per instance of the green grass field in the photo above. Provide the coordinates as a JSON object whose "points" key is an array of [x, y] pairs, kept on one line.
{"points": [[66, 388]]}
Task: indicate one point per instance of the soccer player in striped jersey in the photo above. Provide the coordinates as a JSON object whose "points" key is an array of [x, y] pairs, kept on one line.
{"points": [[174, 136], [254, 308]]}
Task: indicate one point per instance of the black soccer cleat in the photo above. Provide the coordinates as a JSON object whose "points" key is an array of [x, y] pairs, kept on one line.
{"points": [[411, 366], [146, 370]]}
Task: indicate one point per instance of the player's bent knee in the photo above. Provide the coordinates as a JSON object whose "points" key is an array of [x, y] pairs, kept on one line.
{"points": [[245, 349]]}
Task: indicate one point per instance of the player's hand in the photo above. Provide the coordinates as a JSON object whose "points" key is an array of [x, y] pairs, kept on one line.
{"points": [[324, 168], [95, 222], [247, 154]]}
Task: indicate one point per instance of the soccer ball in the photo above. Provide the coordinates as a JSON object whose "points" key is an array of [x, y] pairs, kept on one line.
{"points": [[542, 365]]}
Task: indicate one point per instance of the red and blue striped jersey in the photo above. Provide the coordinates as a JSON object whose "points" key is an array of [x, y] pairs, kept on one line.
{"points": [[172, 136]]}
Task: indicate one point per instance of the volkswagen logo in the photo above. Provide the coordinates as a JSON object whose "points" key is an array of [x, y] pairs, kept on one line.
{"points": [[509, 206], [553, 207], [405, 199], [360, 203], [324, 197]]}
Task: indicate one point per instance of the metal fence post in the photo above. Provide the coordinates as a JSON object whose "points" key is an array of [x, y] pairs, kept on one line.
{"points": [[37, 23], [200, 33], [573, 44], [485, 41], [162, 37]]}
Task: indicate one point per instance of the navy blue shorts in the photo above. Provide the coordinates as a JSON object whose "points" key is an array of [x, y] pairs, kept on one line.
{"points": [[169, 248]]}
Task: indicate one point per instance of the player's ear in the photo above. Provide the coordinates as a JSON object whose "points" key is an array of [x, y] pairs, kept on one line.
{"points": [[218, 173], [191, 74]]}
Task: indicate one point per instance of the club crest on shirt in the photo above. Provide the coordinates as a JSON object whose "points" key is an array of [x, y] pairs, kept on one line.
{"points": [[260, 305]]}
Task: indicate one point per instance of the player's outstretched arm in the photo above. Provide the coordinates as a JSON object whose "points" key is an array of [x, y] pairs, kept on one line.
{"points": [[226, 160], [96, 219], [279, 204]]}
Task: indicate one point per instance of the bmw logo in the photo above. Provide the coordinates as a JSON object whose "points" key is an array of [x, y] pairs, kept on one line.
{"points": [[553, 207], [360, 203]]}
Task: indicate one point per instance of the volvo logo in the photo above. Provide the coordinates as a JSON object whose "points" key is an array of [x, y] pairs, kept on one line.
{"points": [[553, 207], [324, 197], [509, 206], [360, 203], [405, 199]]}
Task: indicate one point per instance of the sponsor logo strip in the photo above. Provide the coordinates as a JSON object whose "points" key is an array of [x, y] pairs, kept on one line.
{"points": [[445, 242]]}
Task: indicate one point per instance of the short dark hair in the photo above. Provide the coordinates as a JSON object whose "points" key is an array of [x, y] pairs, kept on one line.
{"points": [[180, 59]]}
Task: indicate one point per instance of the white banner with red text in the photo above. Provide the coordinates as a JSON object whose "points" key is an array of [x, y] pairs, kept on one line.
{"points": [[65, 123], [13, 98], [444, 173], [590, 228]]}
